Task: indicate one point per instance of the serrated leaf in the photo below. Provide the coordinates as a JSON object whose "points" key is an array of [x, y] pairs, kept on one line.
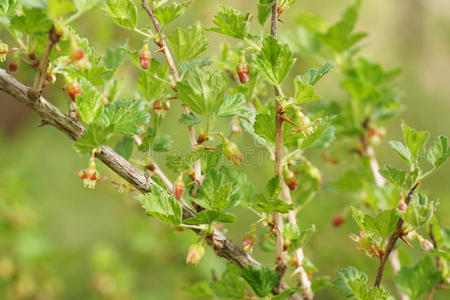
{"points": [[31, 21], [274, 61], [383, 225], [189, 119], [277, 205], [93, 138], [113, 59], [263, 127], [124, 147], [58, 8], [439, 152], [152, 83], [417, 280], [264, 10], [309, 138], [231, 22], [304, 92], [122, 12], [260, 278], [394, 175], [86, 5], [210, 216], [162, 143], [314, 75], [189, 43], [168, 13], [273, 187], [419, 210], [229, 286], [202, 91], [179, 163], [125, 117], [234, 105], [401, 150], [159, 204], [415, 141], [199, 291], [89, 103]]}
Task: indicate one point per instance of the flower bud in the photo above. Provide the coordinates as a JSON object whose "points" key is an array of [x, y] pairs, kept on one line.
{"points": [[248, 241], [12, 66], [157, 105], [145, 56], [402, 206], [338, 220], [178, 188], [32, 55], [90, 175], [426, 245], [195, 254], [243, 70], [73, 89], [232, 152], [166, 106], [365, 242], [289, 178], [76, 53], [202, 138]]}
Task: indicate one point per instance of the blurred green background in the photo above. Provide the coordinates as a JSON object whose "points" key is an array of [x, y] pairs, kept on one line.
{"points": [[67, 242]]}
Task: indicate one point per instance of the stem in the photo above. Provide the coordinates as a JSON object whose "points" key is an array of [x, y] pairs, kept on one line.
{"points": [[278, 217], [176, 77]]}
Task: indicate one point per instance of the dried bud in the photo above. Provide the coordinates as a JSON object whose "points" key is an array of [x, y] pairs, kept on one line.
{"points": [[90, 175], [31, 55], [402, 206], [12, 66], [202, 138], [178, 188], [157, 105], [232, 152], [426, 245], [145, 56], [195, 254], [73, 89], [338, 220], [248, 241], [289, 178], [243, 72]]}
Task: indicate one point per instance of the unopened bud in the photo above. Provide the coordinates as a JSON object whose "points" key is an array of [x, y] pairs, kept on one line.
{"points": [[243, 69], [426, 245], [178, 188], [232, 152], [289, 178], [157, 105], [73, 89], [202, 138], [338, 220], [248, 241], [402, 206], [12, 66], [145, 57], [195, 254], [166, 105]]}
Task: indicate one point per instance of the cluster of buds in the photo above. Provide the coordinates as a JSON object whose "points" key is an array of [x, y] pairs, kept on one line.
{"points": [[178, 188], [232, 152], [248, 241], [243, 69], [289, 178], [165, 106], [90, 175], [72, 88], [145, 56], [195, 254], [338, 220]]}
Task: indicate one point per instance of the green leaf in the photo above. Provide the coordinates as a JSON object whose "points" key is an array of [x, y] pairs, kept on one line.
{"points": [[189, 119], [320, 283], [314, 137], [229, 286], [268, 206], [231, 22], [199, 291], [284, 295], [58, 8], [202, 91], [314, 75], [419, 210], [383, 225], [159, 204], [179, 163], [93, 138], [274, 61], [189, 43], [263, 127], [439, 152], [264, 10], [417, 280], [125, 117], [415, 141], [152, 82], [209, 216], [86, 5], [304, 92], [297, 237], [113, 59], [123, 12], [162, 143], [168, 13], [31, 21], [234, 105], [260, 278], [401, 150], [394, 175], [125, 147], [89, 103], [273, 187]]}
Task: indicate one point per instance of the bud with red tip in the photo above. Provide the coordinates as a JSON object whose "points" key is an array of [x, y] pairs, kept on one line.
{"points": [[166, 105], [145, 56], [402, 206], [289, 178], [195, 254], [232, 152], [76, 53], [426, 245], [73, 89], [157, 105], [243, 69], [248, 241], [178, 188], [90, 175], [12, 66], [338, 220], [202, 138]]}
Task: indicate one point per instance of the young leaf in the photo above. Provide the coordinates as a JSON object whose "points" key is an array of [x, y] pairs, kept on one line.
{"points": [[229, 286], [125, 117], [125, 147], [314, 75], [309, 138], [264, 10], [202, 91], [86, 5], [274, 61], [234, 105], [209, 216], [260, 278], [273, 187], [113, 58], [439, 152], [401, 150], [168, 13], [89, 103], [94, 137], [394, 175], [417, 280], [383, 225], [123, 12], [231, 22], [31, 21], [189, 119], [419, 211], [159, 204], [162, 143], [57, 8], [263, 127], [189, 43], [304, 92], [415, 141], [152, 82]]}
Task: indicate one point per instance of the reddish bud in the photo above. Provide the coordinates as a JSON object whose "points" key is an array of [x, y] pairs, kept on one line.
{"points": [[202, 138], [338, 220], [232, 152], [426, 245], [157, 105], [90, 175], [166, 105], [195, 254], [31, 55], [243, 72], [402, 206], [12, 66], [289, 178], [145, 56], [73, 89], [77, 54], [248, 241], [178, 188]]}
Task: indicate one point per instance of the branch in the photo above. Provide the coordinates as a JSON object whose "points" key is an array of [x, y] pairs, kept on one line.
{"points": [[219, 242], [278, 217], [176, 77]]}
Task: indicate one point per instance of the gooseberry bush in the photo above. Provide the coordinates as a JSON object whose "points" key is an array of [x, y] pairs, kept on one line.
{"points": [[250, 84]]}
